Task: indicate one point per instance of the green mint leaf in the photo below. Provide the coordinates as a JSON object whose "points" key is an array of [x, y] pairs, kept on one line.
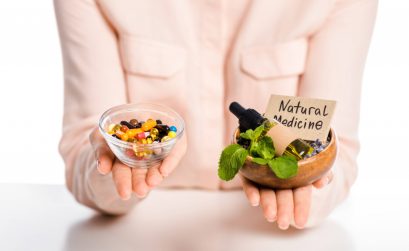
{"points": [[249, 134], [284, 167], [258, 131], [253, 150], [231, 160], [265, 148], [260, 161]]}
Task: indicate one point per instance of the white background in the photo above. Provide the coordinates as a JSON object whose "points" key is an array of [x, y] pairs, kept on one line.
{"points": [[31, 98]]}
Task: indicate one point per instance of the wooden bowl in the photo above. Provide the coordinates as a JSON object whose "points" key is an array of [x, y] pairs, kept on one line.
{"points": [[309, 170]]}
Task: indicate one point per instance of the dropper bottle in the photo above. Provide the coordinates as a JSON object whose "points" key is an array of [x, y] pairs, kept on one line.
{"points": [[285, 141]]}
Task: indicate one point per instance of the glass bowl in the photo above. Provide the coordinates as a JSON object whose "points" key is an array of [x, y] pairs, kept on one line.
{"points": [[138, 155]]}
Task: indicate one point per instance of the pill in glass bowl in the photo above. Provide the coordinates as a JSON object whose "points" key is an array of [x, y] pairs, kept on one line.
{"points": [[171, 134], [173, 129]]}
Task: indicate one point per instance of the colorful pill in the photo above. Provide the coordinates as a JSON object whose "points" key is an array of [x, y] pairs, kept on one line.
{"points": [[171, 134], [124, 128], [149, 124], [173, 128], [154, 131], [127, 124], [124, 137], [133, 132], [133, 122], [140, 135], [166, 138]]}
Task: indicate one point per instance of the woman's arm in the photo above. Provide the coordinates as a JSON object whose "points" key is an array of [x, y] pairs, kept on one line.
{"points": [[94, 82], [334, 71]]}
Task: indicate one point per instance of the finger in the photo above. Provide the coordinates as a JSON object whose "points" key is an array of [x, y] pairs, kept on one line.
{"points": [[285, 208], [171, 161], [302, 204], [122, 176], [103, 154], [154, 177], [139, 185], [269, 204], [251, 191], [324, 180]]}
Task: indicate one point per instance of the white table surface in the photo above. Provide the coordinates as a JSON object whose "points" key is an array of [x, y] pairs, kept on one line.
{"points": [[46, 217]]}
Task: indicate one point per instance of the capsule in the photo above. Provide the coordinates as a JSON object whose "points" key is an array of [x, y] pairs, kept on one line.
{"points": [[140, 135], [119, 133], [133, 122], [154, 131], [124, 137], [173, 128], [166, 138], [133, 132], [149, 124], [127, 124], [171, 134], [124, 128], [163, 130]]}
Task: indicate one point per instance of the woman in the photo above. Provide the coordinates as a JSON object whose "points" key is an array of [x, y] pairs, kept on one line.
{"points": [[197, 57]]}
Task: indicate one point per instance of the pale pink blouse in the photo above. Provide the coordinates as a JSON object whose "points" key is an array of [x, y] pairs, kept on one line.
{"points": [[197, 57]]}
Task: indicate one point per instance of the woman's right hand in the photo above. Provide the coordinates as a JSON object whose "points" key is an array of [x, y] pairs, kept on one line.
{"points": [[137, 180]]}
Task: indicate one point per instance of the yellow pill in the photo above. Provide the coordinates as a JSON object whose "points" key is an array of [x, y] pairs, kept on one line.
{"points": [[166, 138], [144, 141], [133, 132], [154, 131], [171, 134], [124, 137], [149, 124], [149, 140]]}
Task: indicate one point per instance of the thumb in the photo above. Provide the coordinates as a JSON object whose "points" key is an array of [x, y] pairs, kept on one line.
{"points": [[103, 155]]}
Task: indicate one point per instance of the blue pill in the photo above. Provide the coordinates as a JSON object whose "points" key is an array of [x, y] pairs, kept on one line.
{"points": [[173, 128]]}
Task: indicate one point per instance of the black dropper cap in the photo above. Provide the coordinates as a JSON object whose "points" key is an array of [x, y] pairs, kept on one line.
{"points": [[248, 118]]}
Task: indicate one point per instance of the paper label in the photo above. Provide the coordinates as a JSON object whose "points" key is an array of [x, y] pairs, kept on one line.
{"points": [[309, 118]]}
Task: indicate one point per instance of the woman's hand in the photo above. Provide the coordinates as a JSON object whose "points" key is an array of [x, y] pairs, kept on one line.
{"points": [[137, 180], [284, 205]]}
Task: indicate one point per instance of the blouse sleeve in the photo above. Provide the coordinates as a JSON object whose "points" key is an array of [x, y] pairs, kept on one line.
{"points": [[93, 82], [334, 71]]}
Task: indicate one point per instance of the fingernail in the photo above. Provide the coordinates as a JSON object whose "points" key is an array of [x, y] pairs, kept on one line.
{"points": [[141, 196], [126, 196], [283, 226], [254, 204], [272, 219]]}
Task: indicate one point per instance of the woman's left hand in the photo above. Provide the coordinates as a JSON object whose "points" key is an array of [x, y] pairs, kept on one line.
{"points": [[284, 205]]}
